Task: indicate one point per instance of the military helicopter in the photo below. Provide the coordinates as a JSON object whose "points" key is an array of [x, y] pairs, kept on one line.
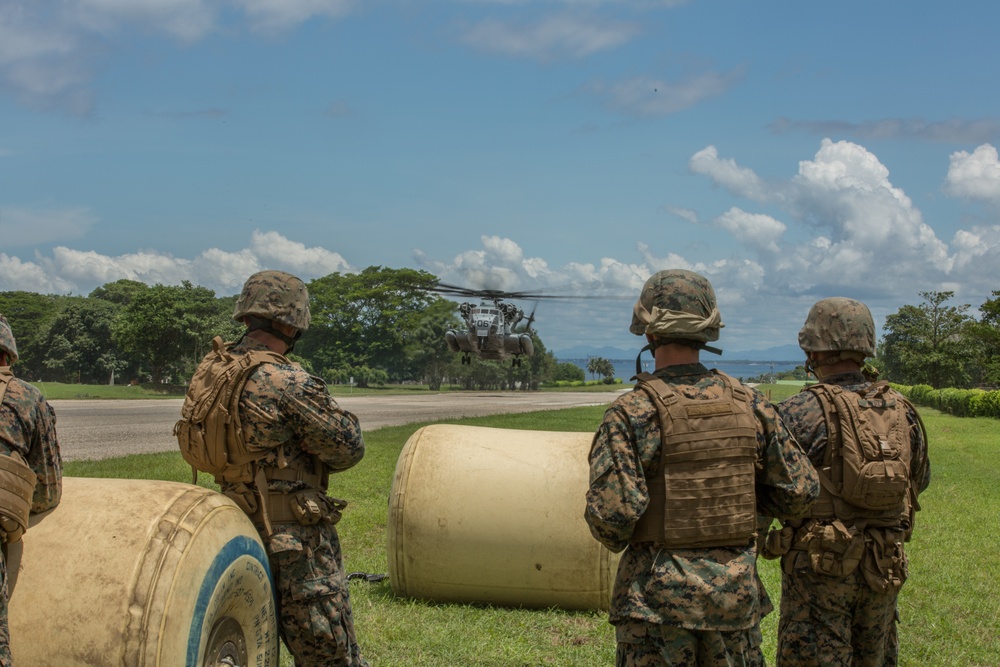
{"points": [[492, 324]]}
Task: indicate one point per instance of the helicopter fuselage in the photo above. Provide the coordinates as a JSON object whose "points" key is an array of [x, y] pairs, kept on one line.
{"points": [[489, 332]]}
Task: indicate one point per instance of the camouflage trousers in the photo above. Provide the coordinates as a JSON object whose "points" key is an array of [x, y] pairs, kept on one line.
{"points": [[838, 621], [313, 601], [5, 658], [646, 645]]}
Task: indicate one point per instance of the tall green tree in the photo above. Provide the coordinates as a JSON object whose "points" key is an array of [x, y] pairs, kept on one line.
{"points": [[121, 292], [927, 344], [365, 319], [985, 334], [568, 372], [427, 351], [168, 326], [601, 366], [78, 344], [29, 315]]}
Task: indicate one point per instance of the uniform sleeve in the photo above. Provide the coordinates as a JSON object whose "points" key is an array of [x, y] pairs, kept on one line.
{"points": [[920, 464], [325, 429], [282, 405], [44, 458], [787, 482], [617, 495]]}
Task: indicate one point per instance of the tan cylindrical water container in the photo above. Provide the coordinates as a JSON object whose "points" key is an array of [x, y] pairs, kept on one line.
{"points": [[140, 573], [496, 516]]}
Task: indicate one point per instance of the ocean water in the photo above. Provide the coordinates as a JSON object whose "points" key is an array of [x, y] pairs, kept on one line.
{"points": [[625, 368]]}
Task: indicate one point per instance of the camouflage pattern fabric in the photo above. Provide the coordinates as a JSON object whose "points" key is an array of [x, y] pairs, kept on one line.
{"points": [[313, 601], [274, 295], [838, 324], [677, 304], [289, 413], [828, 620], [643, 645], [7, 342], [833, 620], [28, 426], [704, 590], [6, 660]]}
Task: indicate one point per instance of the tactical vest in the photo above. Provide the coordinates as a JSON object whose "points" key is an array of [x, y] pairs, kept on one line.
{"points": [[865, 476], [17, 484], [702, 493]]}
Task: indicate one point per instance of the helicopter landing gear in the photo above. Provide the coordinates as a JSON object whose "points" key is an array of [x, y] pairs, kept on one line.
{"points": [[466, 359]]}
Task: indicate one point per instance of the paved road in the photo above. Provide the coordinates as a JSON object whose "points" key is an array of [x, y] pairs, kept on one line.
{"points": [[100, 429]]}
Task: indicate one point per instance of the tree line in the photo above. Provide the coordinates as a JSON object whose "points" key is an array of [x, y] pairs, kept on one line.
{"points": [[379, 326], [384, 325], [936, 345], [941, 345]]}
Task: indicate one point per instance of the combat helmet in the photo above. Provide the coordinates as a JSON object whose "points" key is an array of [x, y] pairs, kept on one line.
{"points": [[677, 306], [7, 342], [839, 324], [277, 296]]}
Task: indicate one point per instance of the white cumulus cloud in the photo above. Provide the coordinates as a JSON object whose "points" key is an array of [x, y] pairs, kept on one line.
{"points": [[756, 230], [740, 181], [975, 175], [68, 270]]}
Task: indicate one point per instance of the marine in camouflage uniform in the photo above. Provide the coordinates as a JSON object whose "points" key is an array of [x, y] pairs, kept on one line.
{"points": [[289, 414], [675, 605], [28, 430], [840, 620]]}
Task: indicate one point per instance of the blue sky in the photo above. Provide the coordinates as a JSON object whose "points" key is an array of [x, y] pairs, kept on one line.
{"points": [[789, 151]]}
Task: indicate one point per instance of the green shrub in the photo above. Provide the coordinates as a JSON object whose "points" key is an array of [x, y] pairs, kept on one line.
{"points": [[958, 402]]}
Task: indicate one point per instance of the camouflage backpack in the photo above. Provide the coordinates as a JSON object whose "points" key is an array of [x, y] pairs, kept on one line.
{"points": [[209, 432], [866, 468]]}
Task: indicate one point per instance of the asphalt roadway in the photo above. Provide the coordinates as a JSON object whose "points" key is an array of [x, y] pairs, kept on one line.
{"points": [[101, 429]]}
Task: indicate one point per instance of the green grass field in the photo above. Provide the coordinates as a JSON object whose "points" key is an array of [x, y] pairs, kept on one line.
{"points": [[949, 609]]}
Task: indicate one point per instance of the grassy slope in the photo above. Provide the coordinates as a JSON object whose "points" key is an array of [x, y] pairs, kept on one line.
{"points": [[948, 608]]}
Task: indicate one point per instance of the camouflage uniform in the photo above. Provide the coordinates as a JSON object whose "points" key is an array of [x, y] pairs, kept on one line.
{"points": [[685, 606], [660, 596], [289, 416], [827, 620], [27, 427], [289, 413]]}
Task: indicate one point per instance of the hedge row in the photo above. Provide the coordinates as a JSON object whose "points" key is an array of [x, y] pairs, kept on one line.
{"points": [[958, 402]]}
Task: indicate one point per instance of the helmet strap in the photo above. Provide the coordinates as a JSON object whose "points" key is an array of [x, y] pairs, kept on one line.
{"points": [[657, 342], [652, 350]]}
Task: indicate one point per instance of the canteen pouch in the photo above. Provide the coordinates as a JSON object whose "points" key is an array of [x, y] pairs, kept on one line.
{"points": [[310, 507], [834, 550], [885, 565], [778, 543]]}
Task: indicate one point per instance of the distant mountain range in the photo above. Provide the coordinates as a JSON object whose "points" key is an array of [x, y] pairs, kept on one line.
{"points": [[779, 353]]}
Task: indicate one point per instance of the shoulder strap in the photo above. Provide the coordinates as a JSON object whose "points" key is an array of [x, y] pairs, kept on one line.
{"points": [[6, 375]]}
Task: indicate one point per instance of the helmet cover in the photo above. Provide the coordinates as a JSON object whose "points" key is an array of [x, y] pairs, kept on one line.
{"points": [[838, 324], [274, 295], [677, 304], [7, 342]]}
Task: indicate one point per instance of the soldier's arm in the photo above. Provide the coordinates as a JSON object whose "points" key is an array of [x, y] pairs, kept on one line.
{"points": [[787, 482], [44, 458], [920, 464], [617, 495], [323, 427]]}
